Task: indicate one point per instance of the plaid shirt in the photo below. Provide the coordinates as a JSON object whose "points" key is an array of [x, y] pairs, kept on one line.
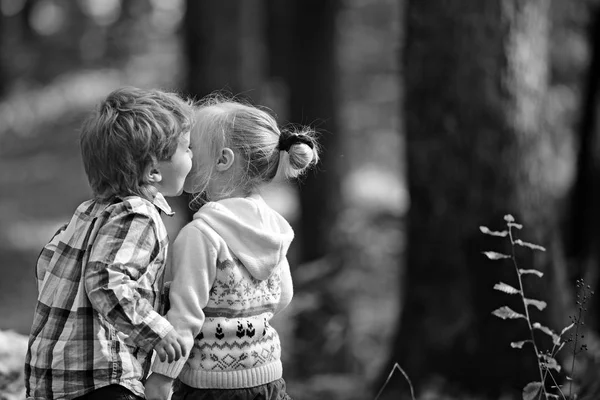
{"points": [[99, 279]]}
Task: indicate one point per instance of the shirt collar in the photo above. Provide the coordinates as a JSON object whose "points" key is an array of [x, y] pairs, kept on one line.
{"points": [[161, 203]]}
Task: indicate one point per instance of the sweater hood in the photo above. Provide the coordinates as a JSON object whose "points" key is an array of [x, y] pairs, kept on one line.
{"points": [[255, 233]]}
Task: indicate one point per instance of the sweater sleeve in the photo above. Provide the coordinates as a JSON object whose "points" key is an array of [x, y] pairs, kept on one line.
{"points": [[194, 270]]}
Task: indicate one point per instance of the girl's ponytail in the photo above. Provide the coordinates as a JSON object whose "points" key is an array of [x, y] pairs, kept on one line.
{"points": [[298, 151]]}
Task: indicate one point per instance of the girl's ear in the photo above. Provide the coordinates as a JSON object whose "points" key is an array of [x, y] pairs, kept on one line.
{"points": [[152, 175], [225, 160]]}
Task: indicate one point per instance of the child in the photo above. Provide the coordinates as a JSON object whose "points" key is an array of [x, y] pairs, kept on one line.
{"points": [[95, 323], [230, 272]]}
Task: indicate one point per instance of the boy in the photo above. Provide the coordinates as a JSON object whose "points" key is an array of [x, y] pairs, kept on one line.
{"points": [[99, 278]]}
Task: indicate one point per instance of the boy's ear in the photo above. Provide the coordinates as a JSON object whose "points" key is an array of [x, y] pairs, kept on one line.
{"points": [[152, 175], [225, 160]]}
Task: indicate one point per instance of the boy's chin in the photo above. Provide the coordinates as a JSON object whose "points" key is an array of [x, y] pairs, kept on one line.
{"points": [[179, 193]]}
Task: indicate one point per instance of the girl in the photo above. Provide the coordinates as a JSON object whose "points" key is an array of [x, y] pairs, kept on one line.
{"points": [[230, 272]]}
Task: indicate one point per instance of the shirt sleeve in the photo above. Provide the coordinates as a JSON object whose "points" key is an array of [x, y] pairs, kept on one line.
{"points": [[194, 270], [46, 256], [117, 278]]}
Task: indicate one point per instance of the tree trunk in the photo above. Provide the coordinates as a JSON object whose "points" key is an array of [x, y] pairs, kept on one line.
{"points": [[313, 96], [3, 56], [302, 55], [475, 80], [223, 47], [223, 50], [279, 38], [584, 234]]}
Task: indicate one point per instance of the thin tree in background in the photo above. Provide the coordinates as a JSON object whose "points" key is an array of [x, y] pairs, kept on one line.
{"points": [[476, 74], [223, 47], [278, 35], [312, 93], [301, 37], [584, 236], [223, 53], [3, 57]]}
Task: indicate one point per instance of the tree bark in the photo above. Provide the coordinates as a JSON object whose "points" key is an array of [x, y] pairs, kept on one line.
{"points": [[313, 96], [584, 233], [301, 37], [475, 80], [279, 38], [223, 47], [3, 56], [223, 52]]}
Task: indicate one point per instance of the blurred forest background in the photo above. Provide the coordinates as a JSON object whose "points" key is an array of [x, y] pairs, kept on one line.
{"points": [[436, 118]]}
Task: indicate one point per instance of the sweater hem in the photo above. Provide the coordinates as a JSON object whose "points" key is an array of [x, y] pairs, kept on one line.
{"points": [[235, 379]]}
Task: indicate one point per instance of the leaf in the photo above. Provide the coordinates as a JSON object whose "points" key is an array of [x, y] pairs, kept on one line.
{"points": [[492, 255], [511, 221], [566, 328], [552, 396], [530, 245], [506, 313], [547, 331], [531, 271], [540, 305], [531, 390], [550, 362], [543, 328], [503, 287], [519, 345], [487, 231]]}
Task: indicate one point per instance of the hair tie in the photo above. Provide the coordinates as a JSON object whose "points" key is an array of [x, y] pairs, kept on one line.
{"points": [[285, 143]]}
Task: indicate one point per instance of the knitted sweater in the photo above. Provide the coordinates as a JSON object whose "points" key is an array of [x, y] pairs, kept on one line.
{"points": [[230, 277]]}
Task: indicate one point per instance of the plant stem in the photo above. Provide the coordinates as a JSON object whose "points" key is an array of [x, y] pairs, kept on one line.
{"points": [[396, 365], [537, 354], [554, 352], [572, 373], [558, 387]]}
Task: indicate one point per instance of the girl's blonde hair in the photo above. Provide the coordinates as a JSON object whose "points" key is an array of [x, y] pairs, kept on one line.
{"points": [[254, 135]]}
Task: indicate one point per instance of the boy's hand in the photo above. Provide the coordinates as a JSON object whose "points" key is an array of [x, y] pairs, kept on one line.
{"points": [[158, 387], [171, 347]]}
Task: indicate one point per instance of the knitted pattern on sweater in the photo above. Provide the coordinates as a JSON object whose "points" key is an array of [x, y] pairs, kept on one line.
{"points": [[236, 333]]}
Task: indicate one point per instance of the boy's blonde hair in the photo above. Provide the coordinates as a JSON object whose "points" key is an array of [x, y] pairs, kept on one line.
{"points": [[254, 135], [131, 130]]}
